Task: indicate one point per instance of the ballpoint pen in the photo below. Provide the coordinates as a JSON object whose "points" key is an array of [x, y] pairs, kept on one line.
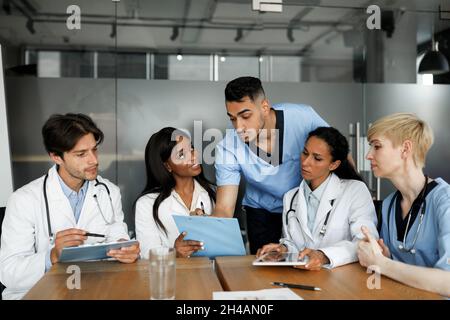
{"points": [[89, 234], [203, 208], [295, 286]]}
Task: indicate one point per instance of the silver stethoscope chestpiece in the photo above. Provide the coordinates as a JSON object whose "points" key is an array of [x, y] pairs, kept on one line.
{"points": [[322, 231]]}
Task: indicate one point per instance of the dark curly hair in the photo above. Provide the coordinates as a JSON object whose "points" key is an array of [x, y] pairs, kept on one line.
{"points": [[239, 88], [339, 150], [61, 132]]}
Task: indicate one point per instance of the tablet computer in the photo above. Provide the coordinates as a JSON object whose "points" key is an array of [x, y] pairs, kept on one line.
{"points": [[274, 258], [96, 251]]}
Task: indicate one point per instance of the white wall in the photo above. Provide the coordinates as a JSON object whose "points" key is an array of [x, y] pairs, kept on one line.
{"points": [[6, 186]]}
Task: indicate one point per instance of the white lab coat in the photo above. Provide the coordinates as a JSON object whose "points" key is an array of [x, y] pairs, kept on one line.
{"points": [[25, 240], [352, 208], [148, 232]]}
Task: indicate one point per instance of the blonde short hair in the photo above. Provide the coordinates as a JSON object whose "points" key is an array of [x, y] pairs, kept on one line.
{"points": [[399, 127]]}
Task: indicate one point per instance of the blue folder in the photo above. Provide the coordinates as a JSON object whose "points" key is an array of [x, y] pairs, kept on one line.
{"points": [[221, 236]]}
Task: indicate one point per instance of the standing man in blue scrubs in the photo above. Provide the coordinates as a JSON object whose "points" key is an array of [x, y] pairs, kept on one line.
{"points": [[265, 148]]}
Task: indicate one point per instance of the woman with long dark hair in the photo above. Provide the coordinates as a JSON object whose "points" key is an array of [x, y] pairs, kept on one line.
{"points": [[175, 185], [322, 218]]}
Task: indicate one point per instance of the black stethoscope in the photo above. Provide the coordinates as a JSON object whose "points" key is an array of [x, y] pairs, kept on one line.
{"points": [[291, 210], [423, 204], [98, 183]]}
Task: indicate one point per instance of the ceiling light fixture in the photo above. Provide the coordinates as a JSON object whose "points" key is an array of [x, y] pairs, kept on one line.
{"points": [[30, 26], [113, 30], [7, 7], [175, 33], [290, 35], [433, 62], [239, 35]]}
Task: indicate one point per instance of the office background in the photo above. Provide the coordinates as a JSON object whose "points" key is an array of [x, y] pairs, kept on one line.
{"points": [[136, 66]]}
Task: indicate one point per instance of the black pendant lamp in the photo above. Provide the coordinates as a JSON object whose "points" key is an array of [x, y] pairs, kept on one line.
{"points": [[433, 62]]}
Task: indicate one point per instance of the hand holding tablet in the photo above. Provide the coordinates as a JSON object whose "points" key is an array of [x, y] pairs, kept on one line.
{"points": [[275, 258]]}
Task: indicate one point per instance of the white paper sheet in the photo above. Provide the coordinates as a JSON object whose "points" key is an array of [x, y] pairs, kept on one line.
{"points": [[265, 294]]}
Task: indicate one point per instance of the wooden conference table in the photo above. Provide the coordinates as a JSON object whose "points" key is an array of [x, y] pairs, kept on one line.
{"points": [[104, 280], [347, 282], [196, 279]]}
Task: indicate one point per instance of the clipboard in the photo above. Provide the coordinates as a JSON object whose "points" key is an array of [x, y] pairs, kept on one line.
{"points": [[97, 251], [220, 236]]}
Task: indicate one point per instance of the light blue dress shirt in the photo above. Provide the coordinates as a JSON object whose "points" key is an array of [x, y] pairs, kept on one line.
{"points": [[313, 201], [76, 200], [266, 184]]}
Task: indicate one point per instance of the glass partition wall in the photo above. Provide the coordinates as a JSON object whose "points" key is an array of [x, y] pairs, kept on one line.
{"points": [[136, 66]]}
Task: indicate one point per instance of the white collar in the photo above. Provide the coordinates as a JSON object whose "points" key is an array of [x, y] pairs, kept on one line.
{"points": [[318, 192], [198, 191]]}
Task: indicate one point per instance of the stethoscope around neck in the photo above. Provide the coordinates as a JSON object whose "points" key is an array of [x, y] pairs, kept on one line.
{"points": [[423, 205], [97, 183], [291, 210]]}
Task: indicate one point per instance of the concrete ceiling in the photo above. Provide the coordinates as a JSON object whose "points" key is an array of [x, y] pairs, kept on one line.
{"points": [[206, 25]]}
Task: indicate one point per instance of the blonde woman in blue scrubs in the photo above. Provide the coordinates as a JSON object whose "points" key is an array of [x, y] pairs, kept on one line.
{"points": [[414, 245]]}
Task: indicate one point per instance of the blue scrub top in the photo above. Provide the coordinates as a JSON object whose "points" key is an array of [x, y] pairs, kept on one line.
{"points": [[266, 184], [433, 240]]}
